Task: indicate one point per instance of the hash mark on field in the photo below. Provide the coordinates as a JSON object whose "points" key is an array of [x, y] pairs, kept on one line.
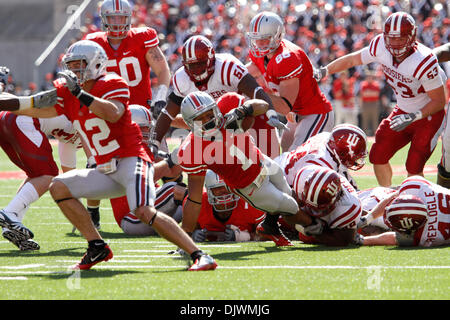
{"points": [[13, 278]]}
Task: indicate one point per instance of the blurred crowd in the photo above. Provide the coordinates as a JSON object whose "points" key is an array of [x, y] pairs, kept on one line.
{"points": [[325, 30]]}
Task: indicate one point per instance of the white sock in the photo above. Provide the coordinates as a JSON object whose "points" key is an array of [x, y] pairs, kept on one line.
{"points": [[22, 200]]}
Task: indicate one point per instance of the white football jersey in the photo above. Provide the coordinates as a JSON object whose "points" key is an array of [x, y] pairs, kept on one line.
{"points": [[436, 231], [348, 208], [313, 151], [418, 73], [370, 198], [228, 72]]}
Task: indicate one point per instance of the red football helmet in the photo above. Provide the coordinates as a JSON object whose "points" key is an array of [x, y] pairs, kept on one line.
{"points": [[406, 214], [399, 34], [198, 58], [349, 144], [318, 188]]}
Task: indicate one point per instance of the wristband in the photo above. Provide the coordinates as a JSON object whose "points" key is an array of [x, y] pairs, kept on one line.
{"points": [[271, 113], [25, 102], [85, 98], [418, 115]]}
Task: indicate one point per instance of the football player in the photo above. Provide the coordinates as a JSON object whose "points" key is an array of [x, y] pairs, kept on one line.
{"points": [[97, 105], [413, 72], [419, 215], [443, 176], [288, 72], [234, 156], [168, 197], [132, 53], [331, 201], [370, 198], [224, 216], [342, 149], [217, 74], [25, 141]]}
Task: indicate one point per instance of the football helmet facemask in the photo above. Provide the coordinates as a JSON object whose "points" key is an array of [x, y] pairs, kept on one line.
{"points": [[265, 33], [399, 34], [116, 18], [201, 114], [198, 58], [226, 201], [92, 59]]}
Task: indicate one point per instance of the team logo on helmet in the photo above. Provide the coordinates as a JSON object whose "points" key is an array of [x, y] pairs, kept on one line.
{"points": [[349, 144], [406, 214], [318, 188], [198, 58], [399, 34]]}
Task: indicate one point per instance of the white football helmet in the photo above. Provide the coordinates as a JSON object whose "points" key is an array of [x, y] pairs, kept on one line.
{"points": [[116, 18], [141, 115], [221, 203], [92, 54], [265, 26], [196, 104]]}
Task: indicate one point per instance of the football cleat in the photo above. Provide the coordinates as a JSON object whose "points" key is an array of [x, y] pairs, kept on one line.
{"points": [[274, 234], [23, 245], [21, 232], [94, 256], [204, 263]]}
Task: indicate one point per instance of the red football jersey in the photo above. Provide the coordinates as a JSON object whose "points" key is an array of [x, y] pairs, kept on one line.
{"points": [[105, 139], [129, 61], [244, 216], [235, 157], [290, 61]]}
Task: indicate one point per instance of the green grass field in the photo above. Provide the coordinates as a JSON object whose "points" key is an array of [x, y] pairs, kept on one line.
{"points": [[143, 269]]}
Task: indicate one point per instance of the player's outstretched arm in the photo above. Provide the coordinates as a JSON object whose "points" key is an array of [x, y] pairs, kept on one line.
{"points": [[193, 205], [383, 239], [36, 105], [345, 62], [442, 52]]}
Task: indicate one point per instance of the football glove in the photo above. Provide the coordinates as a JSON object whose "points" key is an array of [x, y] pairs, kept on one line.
{"points": [[199, 235], [44, 99], [315, 228], [232, 117], [73, 86], [91, 164], [71, 81], [4, 71], [230, 234], [400, 122], [157, 108], [320, 73]]}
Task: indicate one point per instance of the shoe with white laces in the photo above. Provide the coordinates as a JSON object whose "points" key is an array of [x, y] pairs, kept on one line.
{"points": [[8, 220], [204, 263], [23, 245]]}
